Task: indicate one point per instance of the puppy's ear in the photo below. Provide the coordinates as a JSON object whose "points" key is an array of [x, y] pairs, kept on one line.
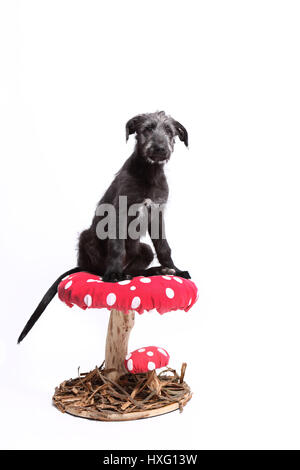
{"points": [[133, 125], [181, 132]]}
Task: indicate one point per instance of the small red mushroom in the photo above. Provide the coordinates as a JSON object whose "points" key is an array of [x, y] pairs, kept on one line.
{"points": [[146, 359]]}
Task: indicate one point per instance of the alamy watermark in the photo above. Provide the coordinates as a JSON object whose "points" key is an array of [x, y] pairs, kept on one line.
{"points": [[121, 221]]}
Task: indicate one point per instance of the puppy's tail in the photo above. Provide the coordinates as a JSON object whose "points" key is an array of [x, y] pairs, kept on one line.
{"points": [[44, 303]]}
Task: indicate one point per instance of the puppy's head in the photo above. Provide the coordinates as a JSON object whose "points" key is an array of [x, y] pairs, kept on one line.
{"points": [[155, 134]]}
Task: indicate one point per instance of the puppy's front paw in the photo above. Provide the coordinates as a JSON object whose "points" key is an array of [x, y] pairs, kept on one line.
{"points": [[115, 276], [184, 274], [165, 270]]}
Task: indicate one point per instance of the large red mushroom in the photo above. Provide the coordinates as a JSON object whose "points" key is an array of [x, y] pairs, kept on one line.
{"points": [[123, 299]]}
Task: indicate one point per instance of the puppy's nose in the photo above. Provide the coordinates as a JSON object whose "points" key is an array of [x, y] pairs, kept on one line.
{"points": [[160, 149]]}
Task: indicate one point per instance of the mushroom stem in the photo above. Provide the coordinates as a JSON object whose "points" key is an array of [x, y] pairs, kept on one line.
{"points": [[119, 328], [154, 383]]}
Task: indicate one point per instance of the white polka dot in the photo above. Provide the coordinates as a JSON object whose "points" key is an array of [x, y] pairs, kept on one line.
{"points": [[135, 302], [178, 279], [123, 283], [93, 280], [141, 350], [145, 280], [170, 293], [128, 356], [150, 353], [130, 364], [167, 277], [151, 365], [111, 298], [162, 351], [88, 300], [68, 285], [132, 288]]}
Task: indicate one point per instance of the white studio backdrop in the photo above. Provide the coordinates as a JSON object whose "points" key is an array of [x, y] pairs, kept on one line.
{"points": [[72, 74]]}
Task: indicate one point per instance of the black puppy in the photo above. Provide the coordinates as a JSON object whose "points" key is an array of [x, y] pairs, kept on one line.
{"points": [[119, 255], [142, 180]]}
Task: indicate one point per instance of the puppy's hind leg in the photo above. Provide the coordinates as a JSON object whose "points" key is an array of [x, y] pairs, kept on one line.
{"points": [[91, 253]]}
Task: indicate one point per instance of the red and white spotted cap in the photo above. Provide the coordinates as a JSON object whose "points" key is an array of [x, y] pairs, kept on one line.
{"points": [[146, 359], [163, 293]]}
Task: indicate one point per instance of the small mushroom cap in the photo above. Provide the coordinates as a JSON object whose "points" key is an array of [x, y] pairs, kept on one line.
{"points": [[146, 359]]}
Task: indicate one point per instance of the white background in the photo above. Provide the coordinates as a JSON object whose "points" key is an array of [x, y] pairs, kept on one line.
{"points": [[72, 74]]}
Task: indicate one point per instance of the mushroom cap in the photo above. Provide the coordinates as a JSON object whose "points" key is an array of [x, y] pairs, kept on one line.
{"points": [[163, 293], [146, 359]]}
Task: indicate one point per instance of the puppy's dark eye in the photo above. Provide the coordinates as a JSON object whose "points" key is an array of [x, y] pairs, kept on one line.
{"points": [[149, 128], [169, 131]]}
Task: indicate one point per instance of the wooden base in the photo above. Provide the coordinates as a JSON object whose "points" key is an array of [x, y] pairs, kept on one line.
{"points": [[94, 395], [112, 416]]}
